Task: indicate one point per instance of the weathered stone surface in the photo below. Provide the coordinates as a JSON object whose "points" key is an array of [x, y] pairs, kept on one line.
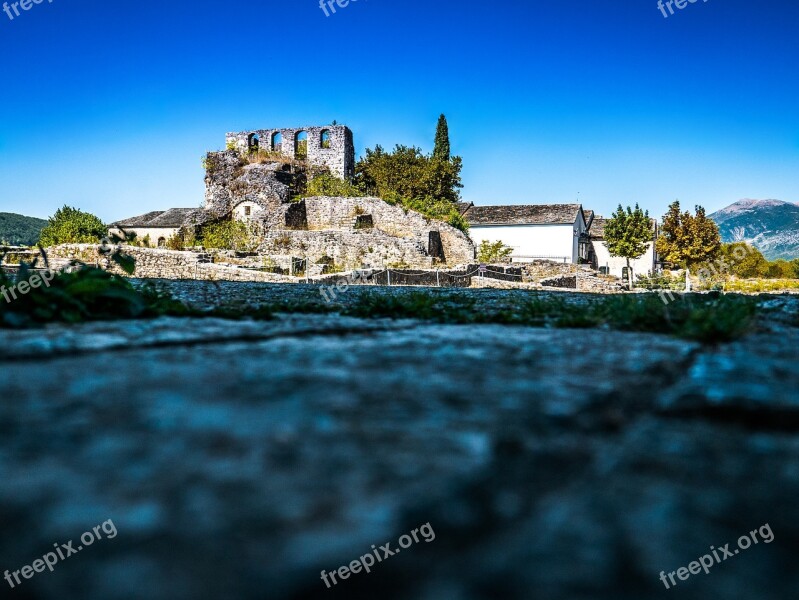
{"points": [[239, 459]]}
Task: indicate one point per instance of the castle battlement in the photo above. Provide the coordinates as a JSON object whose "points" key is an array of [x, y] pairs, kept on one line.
{"points": [[328, 146]]}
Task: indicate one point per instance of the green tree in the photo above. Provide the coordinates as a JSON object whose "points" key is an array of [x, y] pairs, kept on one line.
{"points": [[743, 261], [72, 226], [409, 173], [795, 264], [493, 253], [627, 234], [687, 240], [441, 149], [780, 269]]}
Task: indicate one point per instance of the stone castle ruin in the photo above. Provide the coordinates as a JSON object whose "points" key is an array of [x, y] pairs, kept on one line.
{"points": [[258, 179], [330, 146]]}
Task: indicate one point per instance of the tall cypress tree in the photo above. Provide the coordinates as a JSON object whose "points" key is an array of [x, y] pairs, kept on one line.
{"points": [[441, 149]]}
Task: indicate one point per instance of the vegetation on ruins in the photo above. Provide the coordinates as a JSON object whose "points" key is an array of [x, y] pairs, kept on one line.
{"points": [[416, 181], [627, 234], [72, 226], [496, 252], [688, 240], [229, 235], [328, 184], [409, 173]]}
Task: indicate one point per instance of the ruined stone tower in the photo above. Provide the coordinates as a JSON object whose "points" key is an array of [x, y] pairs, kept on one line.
{"points": [[329, 146]]}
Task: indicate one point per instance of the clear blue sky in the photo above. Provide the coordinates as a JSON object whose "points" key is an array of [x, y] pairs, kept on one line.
{"points": [[109, 106]]}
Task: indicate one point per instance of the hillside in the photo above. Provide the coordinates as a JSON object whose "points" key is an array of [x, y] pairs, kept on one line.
{"points": [[18, 230], [771, 226]]}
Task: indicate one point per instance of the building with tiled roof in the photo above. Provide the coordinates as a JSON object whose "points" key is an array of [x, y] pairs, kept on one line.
{"points": [[157, 226], [599, 256], [533, 231]]}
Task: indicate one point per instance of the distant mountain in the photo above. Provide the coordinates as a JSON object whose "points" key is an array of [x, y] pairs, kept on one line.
{"points": [[17, 230], [771, 226]]}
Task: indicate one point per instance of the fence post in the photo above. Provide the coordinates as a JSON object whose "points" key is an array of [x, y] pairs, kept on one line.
{"points": [[388, 273], [438, 279]]}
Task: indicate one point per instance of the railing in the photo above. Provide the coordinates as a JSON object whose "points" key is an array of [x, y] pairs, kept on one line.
{"points": [[563, 259]]}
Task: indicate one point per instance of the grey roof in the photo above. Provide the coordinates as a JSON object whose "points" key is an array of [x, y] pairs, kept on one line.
{"points": [[174, 217], [521, 214], [589, 217], [597, 229]]}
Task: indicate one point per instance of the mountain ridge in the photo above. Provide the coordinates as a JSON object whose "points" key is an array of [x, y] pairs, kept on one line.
{"points": [[19, 230], [771, 226]]}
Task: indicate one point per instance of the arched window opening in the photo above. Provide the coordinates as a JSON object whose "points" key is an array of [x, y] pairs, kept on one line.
{"points": [[161, 242], [277, 142], [301, 145], [253, 142], [324, 138]]}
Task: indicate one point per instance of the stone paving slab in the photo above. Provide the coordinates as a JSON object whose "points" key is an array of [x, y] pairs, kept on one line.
{"points": [[239, 459]]}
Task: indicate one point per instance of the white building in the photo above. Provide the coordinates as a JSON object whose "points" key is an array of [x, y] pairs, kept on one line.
{"points": [[535, 232], [156, 227], [599, 257]]}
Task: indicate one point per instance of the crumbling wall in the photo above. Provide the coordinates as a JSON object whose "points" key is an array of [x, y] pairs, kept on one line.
{"points": [[229, 182], [338, 156], [348, 249], [327, 213]]}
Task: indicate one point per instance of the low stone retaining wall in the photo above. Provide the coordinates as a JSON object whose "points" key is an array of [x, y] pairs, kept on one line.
{"points": [[157, 263]]}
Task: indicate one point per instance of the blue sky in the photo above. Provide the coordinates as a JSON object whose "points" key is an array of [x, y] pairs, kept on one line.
{"points": [[109, 106]]}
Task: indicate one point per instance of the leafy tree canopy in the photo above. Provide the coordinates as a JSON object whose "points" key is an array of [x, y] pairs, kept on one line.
{"points": [[744, 261], [687, 240], [628, 232], [409, 173], [493, 253], [72, 226]]}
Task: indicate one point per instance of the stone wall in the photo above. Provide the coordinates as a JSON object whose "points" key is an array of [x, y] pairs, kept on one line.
{"points": [[349, 249], [156, 263], [339, 156], [326, 213]]}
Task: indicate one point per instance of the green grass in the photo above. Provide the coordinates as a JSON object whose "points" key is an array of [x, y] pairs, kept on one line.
{"points": [[711, 318], [91, 294]]}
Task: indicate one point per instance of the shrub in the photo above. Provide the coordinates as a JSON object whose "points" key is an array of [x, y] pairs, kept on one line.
{"points": [[229, 235], [440, 210], [493, 253], [72, 226], [327, 184], [781, 269]]}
